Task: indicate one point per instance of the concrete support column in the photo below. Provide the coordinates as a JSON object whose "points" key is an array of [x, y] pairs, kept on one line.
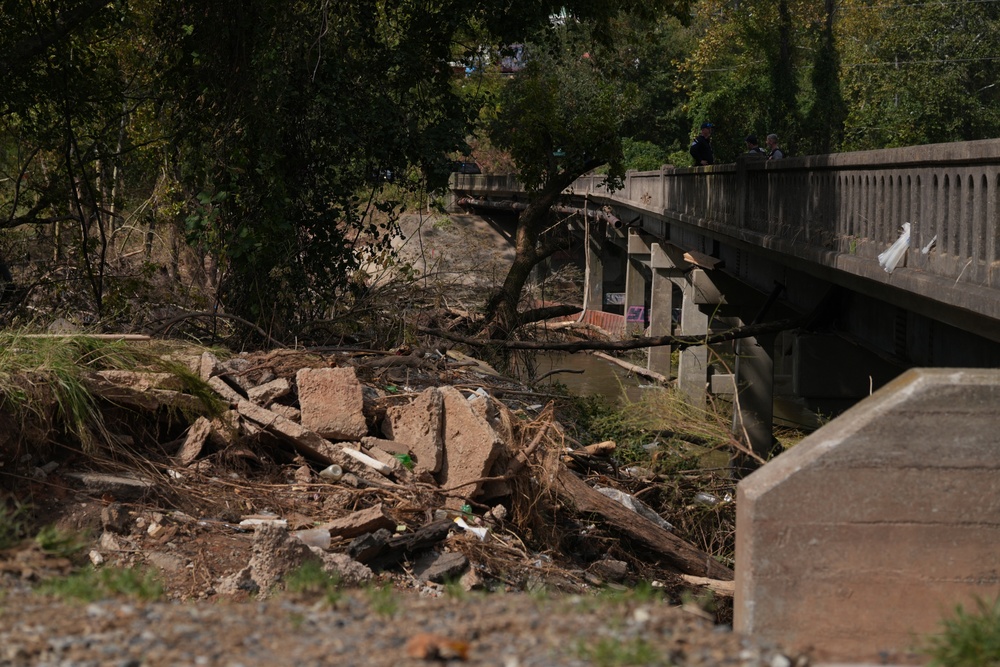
{"points": [[753, 403], [661, 305], [692, 371], [668, 265], [635, 282], [593, 285]]}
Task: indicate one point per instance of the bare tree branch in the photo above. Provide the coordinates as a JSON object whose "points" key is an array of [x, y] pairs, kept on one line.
{"points": [[631, 344]]}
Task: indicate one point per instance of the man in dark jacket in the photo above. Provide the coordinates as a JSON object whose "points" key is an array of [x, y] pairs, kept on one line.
{"points": [[754, 149], [701, 147]]}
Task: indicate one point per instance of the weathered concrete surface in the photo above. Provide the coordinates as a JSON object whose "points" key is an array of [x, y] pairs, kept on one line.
{"points": [[332, 403], [471, 446], [863, 536], [420, 424]]}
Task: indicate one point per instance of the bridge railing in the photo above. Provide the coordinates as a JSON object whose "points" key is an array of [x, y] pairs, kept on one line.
{"points": [[848, 204], [851, 203]]}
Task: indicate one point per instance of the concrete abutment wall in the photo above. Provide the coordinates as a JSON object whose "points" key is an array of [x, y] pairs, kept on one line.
{"points": [[857, 541]]}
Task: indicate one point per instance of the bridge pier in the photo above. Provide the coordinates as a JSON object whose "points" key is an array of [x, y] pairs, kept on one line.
{"points": [[667, 264], [593, 281], [637, 283], [692, 369], [753, 401]]}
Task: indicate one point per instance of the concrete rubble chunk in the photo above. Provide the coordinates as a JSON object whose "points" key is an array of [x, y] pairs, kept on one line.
{"points": [[267, 393], [209, 366], [275, 553], [119, 486], [142, 399], [287, 411], [389, 446], [224, 390], [471, 446], [419, 424], [236, 370], [225, 429], [332, 403], [115, 518], [195, 441], [307, 443], [440, 567], [384, 457], [360, 522], [142, 381]]}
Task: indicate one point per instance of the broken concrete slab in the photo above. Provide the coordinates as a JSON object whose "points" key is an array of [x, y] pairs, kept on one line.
{"points": [[471, 447], [223, 389], [119, 486], [148, 399], [115, 518], [332, 403], [267, 393], [304, 441], [287, 411], [142, 381], [863, 535], [440, 567], [388, 446], [420, 424], [360, 522], [275, 553], [209, 366], [195, 440]]}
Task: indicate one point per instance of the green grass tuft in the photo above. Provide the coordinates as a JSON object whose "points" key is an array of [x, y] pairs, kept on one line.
{"points": [[968, 638], [609, 652], [13, 525], [311, 579], [383, 600], [89, 585], [56, 542]]}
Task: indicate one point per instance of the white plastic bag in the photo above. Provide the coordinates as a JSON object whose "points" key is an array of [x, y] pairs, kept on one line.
{"points": [[891, 257]]}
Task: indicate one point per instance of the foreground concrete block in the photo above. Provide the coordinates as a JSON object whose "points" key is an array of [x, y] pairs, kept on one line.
{"points": [[859, 539]]}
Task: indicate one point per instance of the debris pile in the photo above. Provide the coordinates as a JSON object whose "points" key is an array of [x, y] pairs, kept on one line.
{"points": [[425, 466]]}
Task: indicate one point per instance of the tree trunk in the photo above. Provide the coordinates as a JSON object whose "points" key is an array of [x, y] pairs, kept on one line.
{"points": [[502, 316]]}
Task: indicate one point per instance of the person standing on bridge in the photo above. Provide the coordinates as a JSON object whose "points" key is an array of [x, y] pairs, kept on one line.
{"points": [[701, 147], [773, 151], [754, 149]]}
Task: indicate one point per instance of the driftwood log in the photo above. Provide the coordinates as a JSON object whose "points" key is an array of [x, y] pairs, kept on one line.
{"points": [[682, 555]]}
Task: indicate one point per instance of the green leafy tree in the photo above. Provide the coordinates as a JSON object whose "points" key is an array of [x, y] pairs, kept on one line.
{"points": [[917, 73], [748, 72], [826, 110], [559, 118], [64, 100]]}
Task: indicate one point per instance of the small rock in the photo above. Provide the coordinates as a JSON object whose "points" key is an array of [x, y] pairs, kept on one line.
{"points": [[115, 519], [440, 568]]}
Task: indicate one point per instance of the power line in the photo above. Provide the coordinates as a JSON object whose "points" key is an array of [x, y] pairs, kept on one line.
{"points": [[891, 63], [896, 5]]}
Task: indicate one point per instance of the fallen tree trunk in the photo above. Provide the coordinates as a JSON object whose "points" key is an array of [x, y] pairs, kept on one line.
{"points": [[631, 344], [633, 368], [686, 557]]}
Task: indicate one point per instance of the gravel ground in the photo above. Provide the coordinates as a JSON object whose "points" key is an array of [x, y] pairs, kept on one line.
{"points": [[366, 628]]}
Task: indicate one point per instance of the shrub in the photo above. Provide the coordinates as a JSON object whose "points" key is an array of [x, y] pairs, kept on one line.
{"points": [[968, 639]]}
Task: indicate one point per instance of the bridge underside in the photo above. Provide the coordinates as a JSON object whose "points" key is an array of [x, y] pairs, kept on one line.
{"points": [[671, 277]]}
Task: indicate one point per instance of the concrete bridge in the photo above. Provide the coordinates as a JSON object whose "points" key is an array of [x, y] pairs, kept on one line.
{"points": [[855, 542], [762, 240]]}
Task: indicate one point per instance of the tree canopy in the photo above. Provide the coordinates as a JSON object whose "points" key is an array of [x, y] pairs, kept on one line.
{"points": [[276, 143]]}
